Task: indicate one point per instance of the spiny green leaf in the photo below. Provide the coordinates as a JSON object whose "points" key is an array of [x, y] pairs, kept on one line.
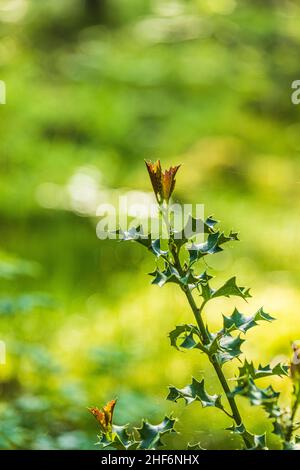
{"points": [[170, 274], [202, 284], [238, 321], [257, 396], [214, 346], [155, 247], [278, 416], [125, 439], [203, 278], [189, 342], [136, 234], [230, 288], [229, 348], [195, 392], [257, 442], [233, 236], [150, 435], [224, 346], [192, 228], [210, 223], [105, 441], [192, 280], [248, 369], [206, 292], [196, 280], [119, 440], [189, 336], [211, 246], [260, 442]]}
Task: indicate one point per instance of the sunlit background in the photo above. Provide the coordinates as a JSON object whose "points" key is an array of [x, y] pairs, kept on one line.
{"points": [[93, 88]]}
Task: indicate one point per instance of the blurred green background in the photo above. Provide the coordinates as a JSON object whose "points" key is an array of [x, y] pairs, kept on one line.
{"points": [[93, 88]]}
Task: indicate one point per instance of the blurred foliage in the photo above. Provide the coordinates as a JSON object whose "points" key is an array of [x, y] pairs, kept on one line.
{"points": [[93, 88]]}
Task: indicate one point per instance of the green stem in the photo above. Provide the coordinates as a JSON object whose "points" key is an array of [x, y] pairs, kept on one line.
{"points": [[204, 334], [205, 338], [293, 414]]}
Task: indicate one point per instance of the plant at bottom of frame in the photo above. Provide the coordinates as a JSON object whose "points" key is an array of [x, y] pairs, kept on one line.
{"points": [[284, 419], [179, 263], [285, 424], [112, 436]]}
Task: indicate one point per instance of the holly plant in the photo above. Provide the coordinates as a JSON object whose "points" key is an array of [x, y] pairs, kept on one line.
{"points": [[181, 259]]}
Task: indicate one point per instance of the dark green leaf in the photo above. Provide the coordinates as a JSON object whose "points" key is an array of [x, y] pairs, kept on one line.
{"points": [[192, 228], [248, 370], [210, 223], [150, 435], [170, 274], [257, 396], [195, 392], [189, 336], [256, 442], [137, 235], [156, 248], [210, 246], [125, 439], [229, 348], [146, 437], [238, 321], [233, 236], [260, 442], [202, 283], [224, 346], [230, 288], [116, 441]]}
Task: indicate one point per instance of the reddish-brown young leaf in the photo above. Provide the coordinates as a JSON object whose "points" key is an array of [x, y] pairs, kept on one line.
{"points": [[104, 416], [163, 182]]}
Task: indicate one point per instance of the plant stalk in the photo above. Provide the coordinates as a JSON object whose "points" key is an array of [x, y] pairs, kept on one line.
{"points": [[205, 338], [293, 415]]}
